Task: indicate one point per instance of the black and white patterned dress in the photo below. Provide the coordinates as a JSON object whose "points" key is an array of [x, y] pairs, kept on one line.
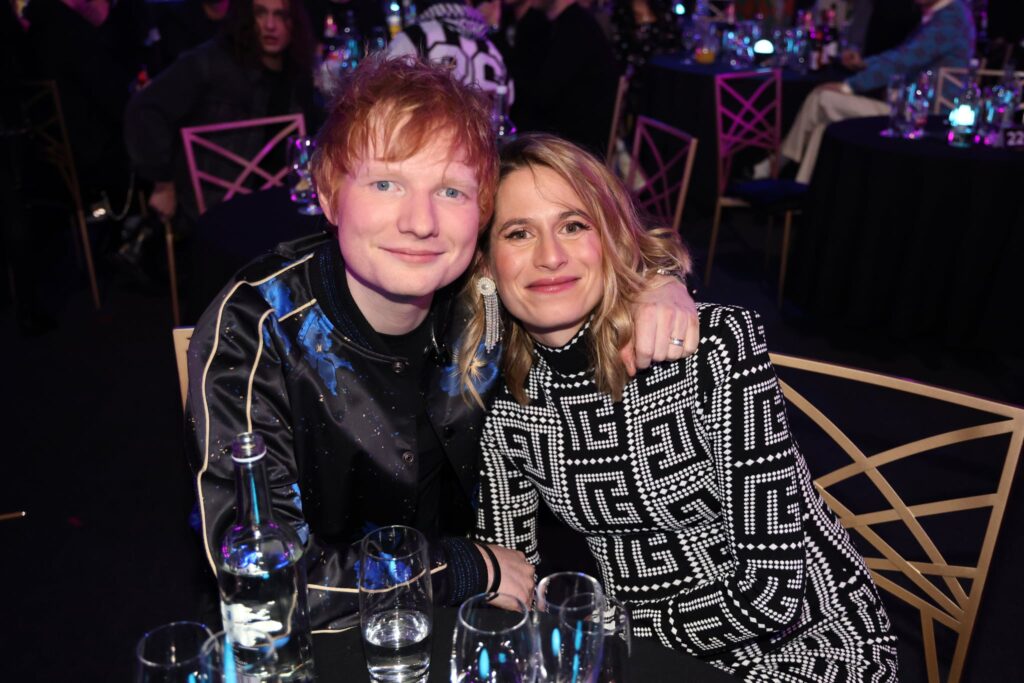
{"points": [[696, 504]]}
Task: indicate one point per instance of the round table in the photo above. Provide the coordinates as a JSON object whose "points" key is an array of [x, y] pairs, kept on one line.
{"points": [[683, 95], [913, 237], [339, 657]]}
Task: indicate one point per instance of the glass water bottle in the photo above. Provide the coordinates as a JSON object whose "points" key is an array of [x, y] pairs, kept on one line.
{"points": [[261, 575]]}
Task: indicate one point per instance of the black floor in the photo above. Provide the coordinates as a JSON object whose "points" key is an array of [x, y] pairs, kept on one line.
{"points": [[93, 417]]}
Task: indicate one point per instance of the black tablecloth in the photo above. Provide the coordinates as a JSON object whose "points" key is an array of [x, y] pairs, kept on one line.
{"points": [[914, 237], [231, 234], [683, 95], [339, 657]]}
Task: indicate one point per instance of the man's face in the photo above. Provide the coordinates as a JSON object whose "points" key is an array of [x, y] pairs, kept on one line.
{"points": [[406, 229], [273, 26]]}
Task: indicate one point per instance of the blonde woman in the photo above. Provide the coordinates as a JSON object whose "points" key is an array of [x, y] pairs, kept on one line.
{"points": [[684, 480]]}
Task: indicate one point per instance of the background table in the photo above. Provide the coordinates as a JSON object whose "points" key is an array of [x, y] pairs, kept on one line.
{"points": [[683, 95], [914, 237], [231, 234], [339, 657]]}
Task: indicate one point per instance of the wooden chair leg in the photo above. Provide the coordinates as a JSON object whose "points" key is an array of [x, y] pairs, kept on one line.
{"points": [[786, 234], [714, 240], [172, 271], [90, 267]]}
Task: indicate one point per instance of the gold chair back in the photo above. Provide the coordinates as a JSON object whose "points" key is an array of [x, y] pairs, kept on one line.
{"points": [[613, 133], [899, 528], [182, 336]]}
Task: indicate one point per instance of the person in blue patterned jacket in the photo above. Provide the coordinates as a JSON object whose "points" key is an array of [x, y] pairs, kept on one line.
{"points": [[945, 38]]}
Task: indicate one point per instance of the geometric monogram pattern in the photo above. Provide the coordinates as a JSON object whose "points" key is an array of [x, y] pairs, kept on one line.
{"points": [[696, 505]]}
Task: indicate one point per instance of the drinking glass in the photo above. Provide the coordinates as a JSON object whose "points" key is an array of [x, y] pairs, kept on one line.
{"points": [[170, 653], [395, 603], [618, 637], [919, 103], [896, 96], [690, 37], [300, 180], [581, 623], [493, 645], [552, 592], [242, 656]]}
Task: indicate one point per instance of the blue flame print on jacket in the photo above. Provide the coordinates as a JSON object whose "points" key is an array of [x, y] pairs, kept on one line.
{"points": [[302, 529], [484, 380], [278, 295], [316, 342]]}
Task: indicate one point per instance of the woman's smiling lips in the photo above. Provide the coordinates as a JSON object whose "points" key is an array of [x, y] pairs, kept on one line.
{"points": [[552, 285]]}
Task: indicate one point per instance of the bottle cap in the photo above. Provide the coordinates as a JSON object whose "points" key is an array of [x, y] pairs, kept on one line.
{"points": [[248, 447]]}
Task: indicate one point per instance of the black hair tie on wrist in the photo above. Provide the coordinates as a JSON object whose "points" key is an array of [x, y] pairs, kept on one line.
{"points": [[496, 581]]}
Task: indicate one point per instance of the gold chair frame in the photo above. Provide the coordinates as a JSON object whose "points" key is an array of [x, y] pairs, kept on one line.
{"points": [[613, 133], [182, 336], [956, 607], [957, 77], [46, 121]]}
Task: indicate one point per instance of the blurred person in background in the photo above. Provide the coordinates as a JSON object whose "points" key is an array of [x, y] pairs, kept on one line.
{"points": [[456, 34], [260, 65], [181, 26], [571, 92], [945, 37]]}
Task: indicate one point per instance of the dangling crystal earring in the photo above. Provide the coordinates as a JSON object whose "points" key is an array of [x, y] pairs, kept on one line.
{"points": [[492, 324]]}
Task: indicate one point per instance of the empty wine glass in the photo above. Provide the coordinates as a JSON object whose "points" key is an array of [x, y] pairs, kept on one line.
{"points": [[551, 594], [302, 189], [581, 623], [242, 656], [171, 653], [493, 645], [395, 603]]}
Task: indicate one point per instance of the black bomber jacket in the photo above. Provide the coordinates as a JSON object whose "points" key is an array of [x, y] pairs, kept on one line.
{"points": [[278, 349]]}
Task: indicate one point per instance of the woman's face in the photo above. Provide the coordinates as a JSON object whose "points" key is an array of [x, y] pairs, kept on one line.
{"points": [[545, 255]]}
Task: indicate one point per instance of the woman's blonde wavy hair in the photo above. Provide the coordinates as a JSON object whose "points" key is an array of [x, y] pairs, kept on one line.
{"points": [[629, 252]]}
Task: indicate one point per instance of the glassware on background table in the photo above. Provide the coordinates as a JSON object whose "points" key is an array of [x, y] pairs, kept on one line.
{"points": [[250, 658], [690, 38], [395, 603], [896, 96], [301, 187], [707, 48], [493, 645], [171, 653], [261, 575], [966, 112], [550, 594], [919, 102]]}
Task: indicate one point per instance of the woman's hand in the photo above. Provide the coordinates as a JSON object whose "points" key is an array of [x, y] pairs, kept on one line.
{"points": [[517, 576], [665, 312]]}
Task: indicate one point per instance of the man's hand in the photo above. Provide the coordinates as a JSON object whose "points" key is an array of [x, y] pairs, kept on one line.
{"points": [[517, 576], [852, 60], [665, 311], [164, 200]]}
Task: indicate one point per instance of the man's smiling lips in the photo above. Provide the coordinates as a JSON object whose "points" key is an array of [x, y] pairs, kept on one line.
{"points": [[552, 285], [414, 255]]}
